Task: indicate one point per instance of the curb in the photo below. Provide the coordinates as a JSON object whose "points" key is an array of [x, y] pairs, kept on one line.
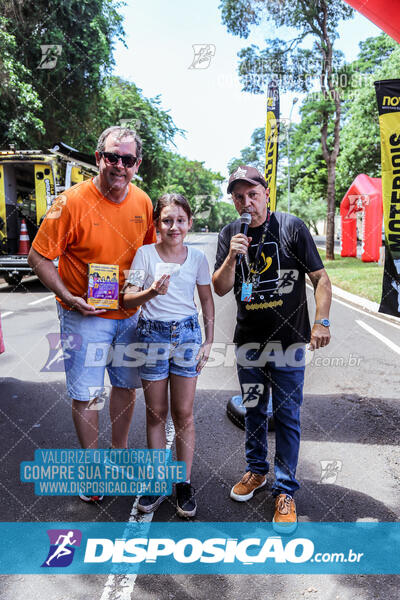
{"points": [[364, 304]]}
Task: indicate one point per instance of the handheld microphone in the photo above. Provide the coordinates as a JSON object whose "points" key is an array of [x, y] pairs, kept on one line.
{"points": [[245, 220]]}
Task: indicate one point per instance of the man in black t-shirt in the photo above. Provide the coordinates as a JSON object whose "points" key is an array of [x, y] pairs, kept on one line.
{"points": [[266, 269]]}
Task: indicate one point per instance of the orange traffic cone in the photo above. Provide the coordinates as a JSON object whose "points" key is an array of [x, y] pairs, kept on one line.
{"points": [[24, 245]]}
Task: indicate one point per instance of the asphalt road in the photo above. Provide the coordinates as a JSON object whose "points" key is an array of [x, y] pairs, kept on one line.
{"points": [[350, 416]]}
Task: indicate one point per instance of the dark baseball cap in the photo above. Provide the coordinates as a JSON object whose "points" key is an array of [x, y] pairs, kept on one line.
{"points": [[246, 173]]}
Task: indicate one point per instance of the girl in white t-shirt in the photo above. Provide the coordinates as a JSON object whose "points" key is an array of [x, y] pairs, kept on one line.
{"points": [[162, 280]]}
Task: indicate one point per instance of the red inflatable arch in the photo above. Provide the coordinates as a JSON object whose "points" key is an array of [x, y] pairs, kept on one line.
{"points": [[384, 14], [364, 195]]}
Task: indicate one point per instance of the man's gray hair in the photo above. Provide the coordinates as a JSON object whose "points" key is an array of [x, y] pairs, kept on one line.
{"points": [[119, 133]]}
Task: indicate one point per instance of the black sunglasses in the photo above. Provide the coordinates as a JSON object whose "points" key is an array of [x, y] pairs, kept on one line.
{"points": [[128, 160]]}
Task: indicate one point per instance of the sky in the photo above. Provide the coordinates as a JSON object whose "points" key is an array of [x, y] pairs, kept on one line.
{"points": [[208, 103]]}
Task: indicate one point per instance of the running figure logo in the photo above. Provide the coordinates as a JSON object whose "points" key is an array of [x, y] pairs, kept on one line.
{"points": [[62, 547], [287, 279], [203, 54], [330, 470], [50, 54], [98, 396], [252, 394], [60, 348]]}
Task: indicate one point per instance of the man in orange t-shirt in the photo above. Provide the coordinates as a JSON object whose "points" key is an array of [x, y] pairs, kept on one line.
{"points": [[103, 220]]}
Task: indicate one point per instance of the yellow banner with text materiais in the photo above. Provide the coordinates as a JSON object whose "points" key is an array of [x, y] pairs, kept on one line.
{"points": [[390, 157], [388, 98]]}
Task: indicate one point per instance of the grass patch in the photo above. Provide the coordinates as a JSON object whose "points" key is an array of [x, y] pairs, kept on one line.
{"points": [[355, 276]]}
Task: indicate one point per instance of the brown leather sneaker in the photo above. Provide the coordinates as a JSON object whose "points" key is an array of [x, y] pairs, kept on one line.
{"points": [[285, 517], [246, 487]]}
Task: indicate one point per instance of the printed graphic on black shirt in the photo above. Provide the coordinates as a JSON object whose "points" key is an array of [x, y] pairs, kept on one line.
{"points": [[264, 275], [277, 308], [287, 279], [268, 278]]}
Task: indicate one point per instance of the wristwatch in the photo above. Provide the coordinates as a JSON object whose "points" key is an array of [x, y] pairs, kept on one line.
{"points": [[324, 322]]}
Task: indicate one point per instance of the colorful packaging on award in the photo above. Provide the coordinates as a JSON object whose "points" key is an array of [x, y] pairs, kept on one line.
{"points": [[103, 287]]}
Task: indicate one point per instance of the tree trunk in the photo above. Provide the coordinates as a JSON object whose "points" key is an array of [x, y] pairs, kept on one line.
{"points": [[330, 155], [330, 215]]}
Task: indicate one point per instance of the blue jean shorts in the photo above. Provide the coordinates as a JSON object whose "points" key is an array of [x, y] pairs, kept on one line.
{"points": [[169, 347], [93, 344]]}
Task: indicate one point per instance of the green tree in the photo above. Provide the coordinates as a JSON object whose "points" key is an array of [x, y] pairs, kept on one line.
{"points": [[253, 155], [20, 104], [122, 102], [295, 66], [308, 172], [222, 213], [306, 206], [199, 185], [68, 77], [379, 58], [374, 51]]}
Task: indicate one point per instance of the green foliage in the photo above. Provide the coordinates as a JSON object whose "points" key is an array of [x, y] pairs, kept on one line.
{"points": [[192, 179], [240, 15], [122, 102], [295, 67], [303, 204], [69, 91], [308, 173], [199, 185], [253, 155], [360, 137], [77, 98], [222, 213], [374, 51], [379, 58], [355, 276], [20, 104]]}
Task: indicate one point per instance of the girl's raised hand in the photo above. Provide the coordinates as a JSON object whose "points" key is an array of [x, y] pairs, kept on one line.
{"points": [[161, 285]]}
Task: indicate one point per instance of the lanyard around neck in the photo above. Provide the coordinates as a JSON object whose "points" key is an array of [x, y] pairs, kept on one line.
{"points": [[254, 265]]}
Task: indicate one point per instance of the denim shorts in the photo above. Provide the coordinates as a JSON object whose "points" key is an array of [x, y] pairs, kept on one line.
{"points": [[169, 347], [90, 346]]}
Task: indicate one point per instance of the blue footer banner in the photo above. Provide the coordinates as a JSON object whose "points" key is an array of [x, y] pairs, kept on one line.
{"points": [[199, 548]]}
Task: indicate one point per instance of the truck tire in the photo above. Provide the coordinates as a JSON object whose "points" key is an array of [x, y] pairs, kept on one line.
{"points": [[236, 411], [13, 279]]}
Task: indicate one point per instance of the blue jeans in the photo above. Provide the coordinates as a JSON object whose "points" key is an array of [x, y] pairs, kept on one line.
{"points": [[286, 383]]}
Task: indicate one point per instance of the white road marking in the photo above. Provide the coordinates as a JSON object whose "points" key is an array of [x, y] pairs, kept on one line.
{"points": [[117, 587], [41, 300], [11, 312], [365, 313], [380, 337]]}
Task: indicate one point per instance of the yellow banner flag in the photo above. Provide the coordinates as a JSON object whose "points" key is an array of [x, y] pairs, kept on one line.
{"points": [[271, 141], [388, 97]]}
